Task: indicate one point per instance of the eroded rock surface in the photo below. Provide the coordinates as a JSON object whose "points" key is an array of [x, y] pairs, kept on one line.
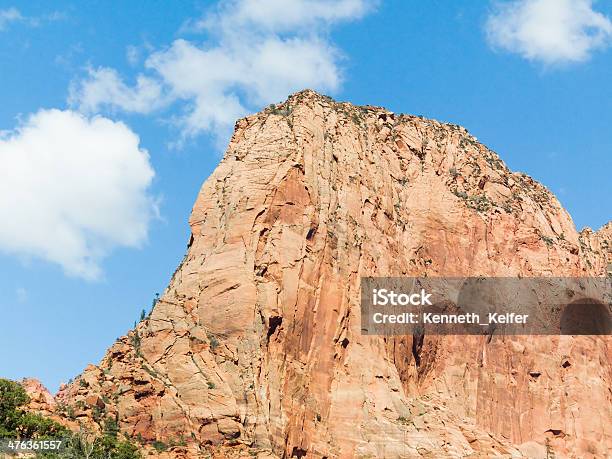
{"points": [[40, 399], [255, 346]]}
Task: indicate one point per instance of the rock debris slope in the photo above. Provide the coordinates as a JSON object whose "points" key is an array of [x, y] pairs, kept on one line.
{"points": [[256, 346]]}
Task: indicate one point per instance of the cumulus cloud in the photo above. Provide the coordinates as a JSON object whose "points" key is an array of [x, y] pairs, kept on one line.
{"points": [[262, 72], [549, 31], [257, 52], [9, 15], [105, 88], [73, 188]]}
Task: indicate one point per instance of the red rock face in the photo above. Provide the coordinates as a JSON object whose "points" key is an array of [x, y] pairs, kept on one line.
{"points": [[256, 344], [41, 399]]}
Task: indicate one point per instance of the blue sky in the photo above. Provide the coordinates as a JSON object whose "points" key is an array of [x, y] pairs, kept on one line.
{"points": [[114, 113]]}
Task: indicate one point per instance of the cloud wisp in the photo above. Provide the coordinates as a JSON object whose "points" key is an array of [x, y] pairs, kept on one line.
{"points": [[549, 31], [8, 16], [256, 53], [13, 15], [72, 189]]}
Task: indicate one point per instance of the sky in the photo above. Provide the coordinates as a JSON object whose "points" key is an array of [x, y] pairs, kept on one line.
{"points": [[113, 114]]}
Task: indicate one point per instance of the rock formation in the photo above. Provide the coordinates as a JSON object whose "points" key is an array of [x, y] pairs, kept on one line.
{"points": [[40, 399], [255, 346]]}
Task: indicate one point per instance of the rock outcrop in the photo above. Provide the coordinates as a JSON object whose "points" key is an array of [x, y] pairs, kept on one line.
{"points": [[255, 346], [40, 399]]}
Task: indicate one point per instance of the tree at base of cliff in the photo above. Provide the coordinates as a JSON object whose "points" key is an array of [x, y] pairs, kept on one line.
{"points": [[16, 423]]}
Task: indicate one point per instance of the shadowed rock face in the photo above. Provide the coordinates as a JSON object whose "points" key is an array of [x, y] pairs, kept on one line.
{"points": [[256, 341]]}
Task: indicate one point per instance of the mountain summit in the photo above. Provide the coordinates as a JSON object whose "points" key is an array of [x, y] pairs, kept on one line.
{"points": [[255, 346]]}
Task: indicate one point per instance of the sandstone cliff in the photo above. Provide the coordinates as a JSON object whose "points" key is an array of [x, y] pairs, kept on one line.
{"points": [[255, 346], [41, 400]]}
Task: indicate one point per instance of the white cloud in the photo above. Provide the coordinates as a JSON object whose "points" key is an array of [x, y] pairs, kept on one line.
{"points": [[9, 15], [257, 53], [550, 31], [104, 88], [72, 189], [279, 16], [264, 72]]}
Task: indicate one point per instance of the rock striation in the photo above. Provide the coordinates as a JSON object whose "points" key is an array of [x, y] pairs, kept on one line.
{"points": [[255, 345]]}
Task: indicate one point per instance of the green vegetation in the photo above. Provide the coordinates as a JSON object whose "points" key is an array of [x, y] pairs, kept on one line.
{"points": [[83, 444], [155, 300], [214, 342], [403, 420], [280, 110], [549, 240], [479, 203], [160, 446], [144, 314], [18, 424], [135, 338]]}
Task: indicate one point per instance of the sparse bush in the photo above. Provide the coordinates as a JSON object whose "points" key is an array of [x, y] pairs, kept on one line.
{"points": [[279, 110], [159, 446], [214, 342], [549, 240], [480, 203], [403, 420], [135, 338]]}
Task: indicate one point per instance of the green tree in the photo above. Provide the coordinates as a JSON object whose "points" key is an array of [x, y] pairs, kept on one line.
{"points": [[17, 423], [12, 396]]}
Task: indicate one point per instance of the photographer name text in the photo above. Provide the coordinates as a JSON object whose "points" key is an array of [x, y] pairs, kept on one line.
{"points": [[384, 297]]}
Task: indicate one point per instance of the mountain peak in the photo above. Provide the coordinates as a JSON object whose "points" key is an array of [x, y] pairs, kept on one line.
{"points": [[257, 342]]}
